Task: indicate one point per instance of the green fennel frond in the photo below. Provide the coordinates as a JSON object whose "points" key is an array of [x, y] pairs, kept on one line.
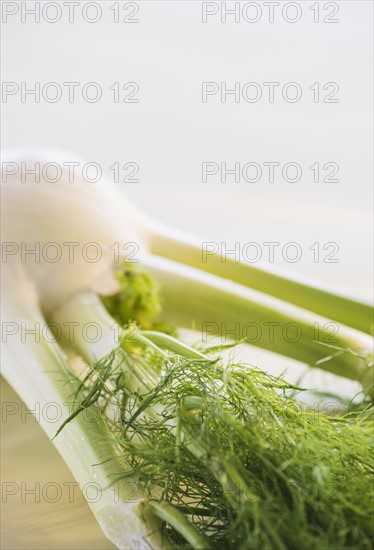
{"points": [[229, 449]]}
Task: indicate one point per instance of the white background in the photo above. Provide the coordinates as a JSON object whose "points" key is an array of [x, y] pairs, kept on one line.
{"points": [[170, 132]]}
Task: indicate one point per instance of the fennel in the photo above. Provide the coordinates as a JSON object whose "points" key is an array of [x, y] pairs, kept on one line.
{"points": [[174, 421], [67, 210]]}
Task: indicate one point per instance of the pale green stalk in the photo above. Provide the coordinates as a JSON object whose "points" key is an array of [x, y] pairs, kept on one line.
{"points": [[34, 365], [206, 303], [297, 290]]}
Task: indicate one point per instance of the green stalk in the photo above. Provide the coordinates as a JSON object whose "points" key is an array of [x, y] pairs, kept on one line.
{"points": [[294, 289], [176, 519], [172, 344], [207, 303]]}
